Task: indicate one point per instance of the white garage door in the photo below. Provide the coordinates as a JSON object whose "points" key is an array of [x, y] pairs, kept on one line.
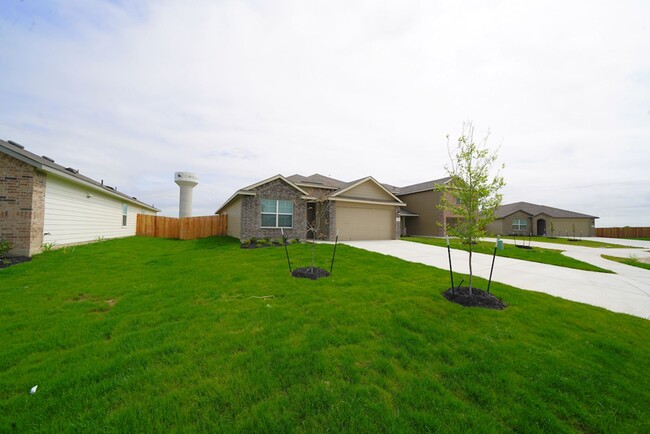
{"points": [[364, 222]]}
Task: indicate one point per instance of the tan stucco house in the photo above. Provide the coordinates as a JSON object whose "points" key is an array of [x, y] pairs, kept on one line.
{"points": [[358, 210], [523, 218], [42, 202]]}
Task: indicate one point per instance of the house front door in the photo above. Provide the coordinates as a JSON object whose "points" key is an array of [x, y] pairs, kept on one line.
{"points": [[541, 227]]}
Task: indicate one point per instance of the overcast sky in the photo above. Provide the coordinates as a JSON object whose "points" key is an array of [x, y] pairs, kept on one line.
{"points": [[239, 91]]}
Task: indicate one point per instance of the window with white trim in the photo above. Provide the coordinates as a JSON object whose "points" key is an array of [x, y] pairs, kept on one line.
{"points": [[277, 213], [519, 224], [125, 212]]}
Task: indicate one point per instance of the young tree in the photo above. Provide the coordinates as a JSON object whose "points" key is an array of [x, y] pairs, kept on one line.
{"points": [[317, 220], [321, 208], [472, 195]]}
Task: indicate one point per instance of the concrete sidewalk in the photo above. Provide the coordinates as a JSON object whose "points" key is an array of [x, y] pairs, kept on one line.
{"points": [[625, 292]]}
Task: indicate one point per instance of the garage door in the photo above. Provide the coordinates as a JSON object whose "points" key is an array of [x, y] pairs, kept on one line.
{"points": [[364, 222]]}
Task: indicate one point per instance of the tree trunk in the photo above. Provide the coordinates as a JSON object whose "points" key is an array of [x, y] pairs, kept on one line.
{"points": [[470, 268], [313, 251]]}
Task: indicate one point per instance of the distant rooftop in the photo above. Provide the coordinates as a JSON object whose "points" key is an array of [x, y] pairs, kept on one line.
{"points": [[533, 210]]}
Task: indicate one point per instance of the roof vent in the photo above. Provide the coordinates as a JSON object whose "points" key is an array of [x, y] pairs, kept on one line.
{"points": [[109, 187], [48, 158], [70, 169], [18, 145]]}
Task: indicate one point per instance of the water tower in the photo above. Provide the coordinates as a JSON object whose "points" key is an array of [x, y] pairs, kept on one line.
{"points": [[186, 181]]}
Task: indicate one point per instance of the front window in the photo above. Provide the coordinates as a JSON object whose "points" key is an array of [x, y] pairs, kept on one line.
{"points": [[277, 213], [519, 224]]}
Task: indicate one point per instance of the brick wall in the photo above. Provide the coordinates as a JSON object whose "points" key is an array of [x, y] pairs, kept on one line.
{"points": [[251, 216], [22, 205]]}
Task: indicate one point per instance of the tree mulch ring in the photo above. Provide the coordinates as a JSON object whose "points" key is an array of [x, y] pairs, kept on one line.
{"points": [[523, 247], [13, 260], [479, 298], [310, 273]]}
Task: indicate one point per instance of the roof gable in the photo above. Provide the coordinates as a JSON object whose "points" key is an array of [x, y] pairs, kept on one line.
{"points": [[274, 178], [367, 189], [250, 190]]}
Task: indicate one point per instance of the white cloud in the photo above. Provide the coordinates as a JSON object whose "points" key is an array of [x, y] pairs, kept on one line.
{"points": [[239, 91]]}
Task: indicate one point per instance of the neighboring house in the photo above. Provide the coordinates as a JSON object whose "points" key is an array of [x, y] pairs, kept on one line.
{"points": [[42, 202], [424, 216], [523, 218], [359, 210]]}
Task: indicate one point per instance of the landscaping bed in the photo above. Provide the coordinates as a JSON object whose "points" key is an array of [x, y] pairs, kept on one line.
{"points": [[13, 260], [478, 298]]}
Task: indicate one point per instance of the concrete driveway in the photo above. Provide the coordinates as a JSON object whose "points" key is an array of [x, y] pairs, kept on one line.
{"points": [[627, 291]]}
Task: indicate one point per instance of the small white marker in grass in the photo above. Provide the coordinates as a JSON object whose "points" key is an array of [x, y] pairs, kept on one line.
{"points": [[33, 390]]}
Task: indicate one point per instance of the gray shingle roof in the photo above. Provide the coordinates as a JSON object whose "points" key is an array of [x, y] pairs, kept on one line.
{"points": [[417, 188], [318, 180], [18, 151], [533, 210]]}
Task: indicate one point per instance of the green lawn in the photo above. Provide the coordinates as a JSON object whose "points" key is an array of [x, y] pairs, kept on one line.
{"points": [[628, 261], [536, 254], [566, 241], [141, 334]]}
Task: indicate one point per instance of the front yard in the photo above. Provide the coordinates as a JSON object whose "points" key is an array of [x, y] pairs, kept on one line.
{"points": [[144, 334]]}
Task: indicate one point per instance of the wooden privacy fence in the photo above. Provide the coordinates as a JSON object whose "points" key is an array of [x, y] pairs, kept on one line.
{"points": [[186, 228], [625, 232]]}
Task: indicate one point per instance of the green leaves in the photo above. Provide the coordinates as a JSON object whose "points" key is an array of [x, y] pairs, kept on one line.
{"points": [[471, 197]]}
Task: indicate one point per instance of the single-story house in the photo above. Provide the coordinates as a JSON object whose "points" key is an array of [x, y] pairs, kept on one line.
{"points": [[316, 205], [523, 218], [42, 202]]}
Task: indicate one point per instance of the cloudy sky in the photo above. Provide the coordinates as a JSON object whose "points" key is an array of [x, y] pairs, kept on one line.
{"points": [[238, 91]]}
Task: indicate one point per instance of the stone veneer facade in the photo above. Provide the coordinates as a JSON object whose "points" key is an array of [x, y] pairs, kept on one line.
{"points": [[22, 206], [251, 215]]}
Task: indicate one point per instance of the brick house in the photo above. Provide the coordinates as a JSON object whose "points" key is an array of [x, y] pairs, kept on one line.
{"points": [[43, 202], [359, 210]]}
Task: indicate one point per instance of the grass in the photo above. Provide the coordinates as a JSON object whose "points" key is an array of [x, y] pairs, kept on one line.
{"points": [[565, 241], [536, 254], [633, 261], [144, 334]]}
